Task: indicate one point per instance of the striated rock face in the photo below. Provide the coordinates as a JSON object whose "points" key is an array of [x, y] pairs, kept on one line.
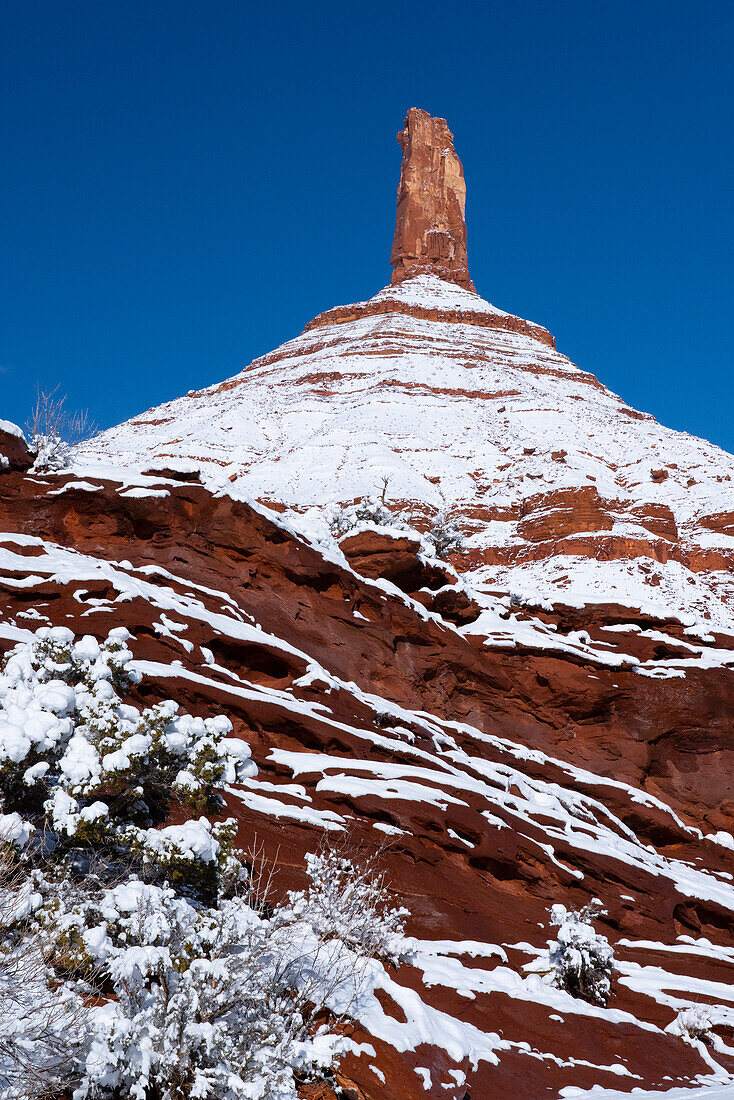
{"points": [[555, 481], [430, 229], [503, 778]]}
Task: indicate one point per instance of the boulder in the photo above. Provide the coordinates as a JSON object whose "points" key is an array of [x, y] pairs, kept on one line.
{"points": [[14, 452]]}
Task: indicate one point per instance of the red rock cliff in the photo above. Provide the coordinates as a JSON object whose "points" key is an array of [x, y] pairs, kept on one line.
{"points": [[430, 228]]}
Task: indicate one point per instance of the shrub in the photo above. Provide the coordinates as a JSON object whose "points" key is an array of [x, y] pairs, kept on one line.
{"points": [[581, 958], [693, 1024], [242, 1001], [53, 430], [41, 1021], [445, 535], [370, 512], [348, 904], [94, 772]]}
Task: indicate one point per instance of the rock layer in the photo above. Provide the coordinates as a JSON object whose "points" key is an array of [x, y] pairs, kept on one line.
{"points": [[14, 452], [430, 228], [504, 780], [555, 481]]}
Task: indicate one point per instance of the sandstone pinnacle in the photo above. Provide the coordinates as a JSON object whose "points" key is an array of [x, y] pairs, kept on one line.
{"points": [[430, 227]]}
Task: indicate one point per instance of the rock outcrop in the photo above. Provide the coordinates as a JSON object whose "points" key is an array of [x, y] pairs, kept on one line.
{"points": [[14, 452], [503, 779], [430, 229]]}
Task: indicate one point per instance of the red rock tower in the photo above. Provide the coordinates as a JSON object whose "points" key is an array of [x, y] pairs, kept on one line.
{"points": [[430, 228]]}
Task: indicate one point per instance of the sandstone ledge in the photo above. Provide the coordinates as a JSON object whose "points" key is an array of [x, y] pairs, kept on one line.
{"points": [[344, 314]]}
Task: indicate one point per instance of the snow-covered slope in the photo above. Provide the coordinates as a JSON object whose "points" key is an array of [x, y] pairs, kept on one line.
{"points": [[565, 492], [501, 782]]}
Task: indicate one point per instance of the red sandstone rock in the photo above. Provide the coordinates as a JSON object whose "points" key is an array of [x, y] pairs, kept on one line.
{"points": [[466, 874], [396, 559], [14, 453], [564, 512], [430, 229], [506, 322]]}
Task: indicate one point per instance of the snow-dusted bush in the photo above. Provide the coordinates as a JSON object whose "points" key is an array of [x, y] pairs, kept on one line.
{"points": [[348, 904], [371, 511], [41, 1020], [208, 1002], [93, 771], [52, 453], [53, 430], [224, 1002], [445, 535], [693, 1024], [582, 959]]}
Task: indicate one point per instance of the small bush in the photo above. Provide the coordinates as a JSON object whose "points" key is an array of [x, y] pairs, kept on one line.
{"points": [[445, 535], [348, 904], [693, 1024], [53, 430], [582, 959], [371, 511], [92, 772], [241, 1001], [41, 1021]]}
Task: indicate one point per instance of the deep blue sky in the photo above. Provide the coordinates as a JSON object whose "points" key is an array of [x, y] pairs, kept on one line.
{"points": [[184, 185]]}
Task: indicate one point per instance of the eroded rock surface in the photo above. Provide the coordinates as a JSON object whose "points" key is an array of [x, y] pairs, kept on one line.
{"points": [[430, 229], [503, 778]]}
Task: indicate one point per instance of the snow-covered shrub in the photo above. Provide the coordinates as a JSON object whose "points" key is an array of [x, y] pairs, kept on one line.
{"points": [[52, 453], [445, 535], [53, 430], [95, 772], [693, 1024], [347, 902], [214, 1003], [41, 1021], [582, 959], [368, 512], [235, 1002]]}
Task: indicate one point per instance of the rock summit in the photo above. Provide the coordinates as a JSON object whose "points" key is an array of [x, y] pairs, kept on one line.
{"points": [[430, 227]]}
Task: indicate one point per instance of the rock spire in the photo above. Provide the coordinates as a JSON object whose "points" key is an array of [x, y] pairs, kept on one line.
{"points": [[430, 228]]}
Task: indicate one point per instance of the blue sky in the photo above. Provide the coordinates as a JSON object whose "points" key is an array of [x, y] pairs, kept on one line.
{"points": [[184, 185]]}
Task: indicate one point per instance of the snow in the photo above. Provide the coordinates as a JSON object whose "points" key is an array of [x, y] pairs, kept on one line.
{"points": [[430, 292], [11, 429], [461, 418], [707, 1092], [85, 486], [14, 830], [193, 840]]}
